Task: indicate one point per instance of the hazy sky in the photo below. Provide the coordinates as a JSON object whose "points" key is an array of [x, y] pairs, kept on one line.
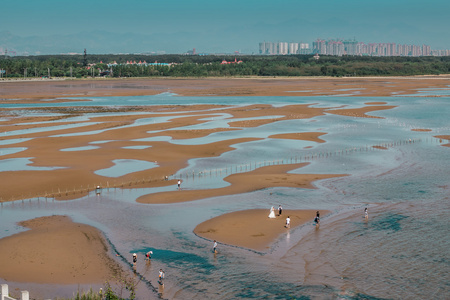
{"points": [[175, 26]]}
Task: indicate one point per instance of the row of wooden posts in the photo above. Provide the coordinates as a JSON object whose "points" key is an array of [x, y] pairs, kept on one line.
{"points": [[238, 168], [293, 160]]}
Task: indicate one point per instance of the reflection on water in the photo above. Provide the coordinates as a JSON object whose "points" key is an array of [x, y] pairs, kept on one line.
{"points": [[7, 151], [137, 147], [125, 166], [22, 164], [400, 252], [80, 148]]}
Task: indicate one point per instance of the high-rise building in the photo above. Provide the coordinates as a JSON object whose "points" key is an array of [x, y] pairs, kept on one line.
{"points": [[348, 47], [335, 48], [282, 48], [293, 48], [320, 47], [426, 50]]}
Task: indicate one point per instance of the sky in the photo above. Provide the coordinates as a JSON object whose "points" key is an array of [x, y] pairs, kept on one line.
{"points": [[175, 26]]}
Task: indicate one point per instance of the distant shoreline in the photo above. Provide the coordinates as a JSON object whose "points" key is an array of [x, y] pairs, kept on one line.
{"points": [[32, 90]]}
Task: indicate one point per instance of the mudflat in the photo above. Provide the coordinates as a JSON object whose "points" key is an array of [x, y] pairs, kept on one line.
{"points": [[59, 251], [82, 256], [253, 86]]}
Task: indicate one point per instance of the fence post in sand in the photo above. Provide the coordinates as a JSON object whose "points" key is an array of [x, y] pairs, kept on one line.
{"points": [[3, 291], [25, 295]]}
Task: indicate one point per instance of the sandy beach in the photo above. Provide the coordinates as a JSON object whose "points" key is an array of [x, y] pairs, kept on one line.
{"points": [[261, 178], [58, 251], [65, 252], [73, 174], [282, 86], [252, 228]]}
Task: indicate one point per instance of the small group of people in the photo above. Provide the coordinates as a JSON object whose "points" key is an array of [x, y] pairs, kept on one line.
{"points": [[272, 212], [148, 257], [288, 219]]}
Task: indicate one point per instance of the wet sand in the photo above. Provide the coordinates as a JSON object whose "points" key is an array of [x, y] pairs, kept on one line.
{"points": [[261, 178], [253, 228], [276, 86], [56, 250], [444, 137], [77, 178]]}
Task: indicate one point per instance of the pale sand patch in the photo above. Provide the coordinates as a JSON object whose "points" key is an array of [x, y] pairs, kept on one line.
{"points": [[57, 250], [444, 137], [421, 130], [375, 103], [252, 228], [359, 112], [252, 86], [380, 147], [303, 136], [261, 178]]}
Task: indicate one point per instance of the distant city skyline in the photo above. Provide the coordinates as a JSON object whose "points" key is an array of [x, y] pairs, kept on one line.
{"points": [[175, 26], [339, 47]]}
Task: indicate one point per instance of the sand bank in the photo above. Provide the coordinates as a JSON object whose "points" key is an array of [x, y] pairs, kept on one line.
{"points": [[421, 129], [444, 137], [279, 86], [252, 228], [57, 250], [74, 175], [261, 178], [303, 136]]}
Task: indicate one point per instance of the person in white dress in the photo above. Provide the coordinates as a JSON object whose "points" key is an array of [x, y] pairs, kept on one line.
{"points": [[272, 213]]}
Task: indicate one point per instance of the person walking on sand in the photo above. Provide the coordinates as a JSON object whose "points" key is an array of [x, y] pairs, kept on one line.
{"points": [[280, 210], [288, 222], [215, 246], [179, 184], [366, 213], [134, 258], [317, 221], [161, 276]]}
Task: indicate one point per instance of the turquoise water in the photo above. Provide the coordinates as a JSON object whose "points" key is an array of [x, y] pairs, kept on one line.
{"points": [[400, 252], [125, 166]]}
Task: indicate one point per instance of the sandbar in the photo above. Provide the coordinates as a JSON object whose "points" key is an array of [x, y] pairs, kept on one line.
{"points": [[74, 174], [65, 252], [56, 250], [251, 86], [444, 137], [261, 178], [252, 228]]}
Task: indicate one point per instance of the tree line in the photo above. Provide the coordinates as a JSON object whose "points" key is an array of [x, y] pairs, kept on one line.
{"points": [[79, 66]]}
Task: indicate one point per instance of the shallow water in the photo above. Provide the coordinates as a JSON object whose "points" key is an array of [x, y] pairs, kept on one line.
{"points": [[400, 252], [125, 166]]}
